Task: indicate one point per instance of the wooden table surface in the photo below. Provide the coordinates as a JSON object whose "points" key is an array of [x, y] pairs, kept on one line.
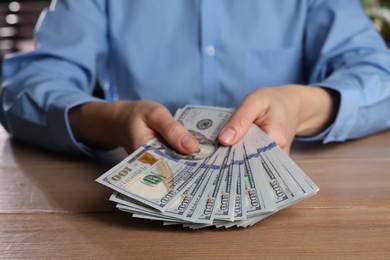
{"points": [[51, 208]]}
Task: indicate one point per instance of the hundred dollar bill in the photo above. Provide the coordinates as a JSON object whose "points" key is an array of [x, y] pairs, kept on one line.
{"points": [[204, 123], [174, 214], [240, 207], [226, 197], [180, 208], [155, 174], [130, 204], [127, 204], [277, 192], [151, 175], [257, 197], [237, 168], [280, 188], [285, 164], [177, 209], [196, 193], [205, 211], [289, 184], [305, 183]]}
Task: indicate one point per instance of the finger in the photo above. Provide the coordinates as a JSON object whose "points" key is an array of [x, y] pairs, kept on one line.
{"points": [[286, 149], [161, 120], [140, 134], [250, 110], [285, 146], [279, 134]]}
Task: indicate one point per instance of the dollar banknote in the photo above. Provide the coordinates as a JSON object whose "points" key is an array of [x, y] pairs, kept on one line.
{"points": [[217, 185]]}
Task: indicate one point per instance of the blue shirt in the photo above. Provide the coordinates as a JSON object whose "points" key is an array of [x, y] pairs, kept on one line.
{"points": [[211, 52]]}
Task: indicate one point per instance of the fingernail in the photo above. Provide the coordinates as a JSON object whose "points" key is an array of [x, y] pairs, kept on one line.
{"points": [[227, 135], [188, 142]]}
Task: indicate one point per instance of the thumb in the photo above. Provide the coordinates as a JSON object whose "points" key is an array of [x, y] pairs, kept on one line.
{"points": [[179, 138], [239, 123]]}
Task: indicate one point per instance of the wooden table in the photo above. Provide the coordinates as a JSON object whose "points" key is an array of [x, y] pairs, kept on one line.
{"points": [[51, 208]]}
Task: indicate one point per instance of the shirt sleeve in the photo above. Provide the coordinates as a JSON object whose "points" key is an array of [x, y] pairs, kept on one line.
{"points": [[345, 53], [40, 87]]}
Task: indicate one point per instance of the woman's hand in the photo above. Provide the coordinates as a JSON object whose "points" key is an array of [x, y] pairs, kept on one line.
{"points": [[282, 112], [128, 124]]}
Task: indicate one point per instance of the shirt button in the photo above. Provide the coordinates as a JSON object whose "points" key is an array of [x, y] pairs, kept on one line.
{"points": [[210, 50]]}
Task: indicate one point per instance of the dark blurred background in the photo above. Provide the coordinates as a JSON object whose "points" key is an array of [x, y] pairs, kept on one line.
{"points": [[379, 12], [17, 21], [18, 18]]}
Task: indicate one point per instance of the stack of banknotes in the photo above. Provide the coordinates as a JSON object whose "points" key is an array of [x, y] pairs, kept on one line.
{"points": [[217, 186]]}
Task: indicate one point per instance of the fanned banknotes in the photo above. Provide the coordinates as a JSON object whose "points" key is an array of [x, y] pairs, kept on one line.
{"points": [[216, 186]]}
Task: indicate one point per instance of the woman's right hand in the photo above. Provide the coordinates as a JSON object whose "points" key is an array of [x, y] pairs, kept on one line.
{"points": [[128, 124]]}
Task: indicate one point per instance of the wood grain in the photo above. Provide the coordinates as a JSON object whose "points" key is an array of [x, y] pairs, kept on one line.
{"points": [[51, 208]]}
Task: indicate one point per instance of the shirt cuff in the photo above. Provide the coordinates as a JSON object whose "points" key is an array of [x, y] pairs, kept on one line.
{"points": [[317, 137], [60, 130], [346, 116]]}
